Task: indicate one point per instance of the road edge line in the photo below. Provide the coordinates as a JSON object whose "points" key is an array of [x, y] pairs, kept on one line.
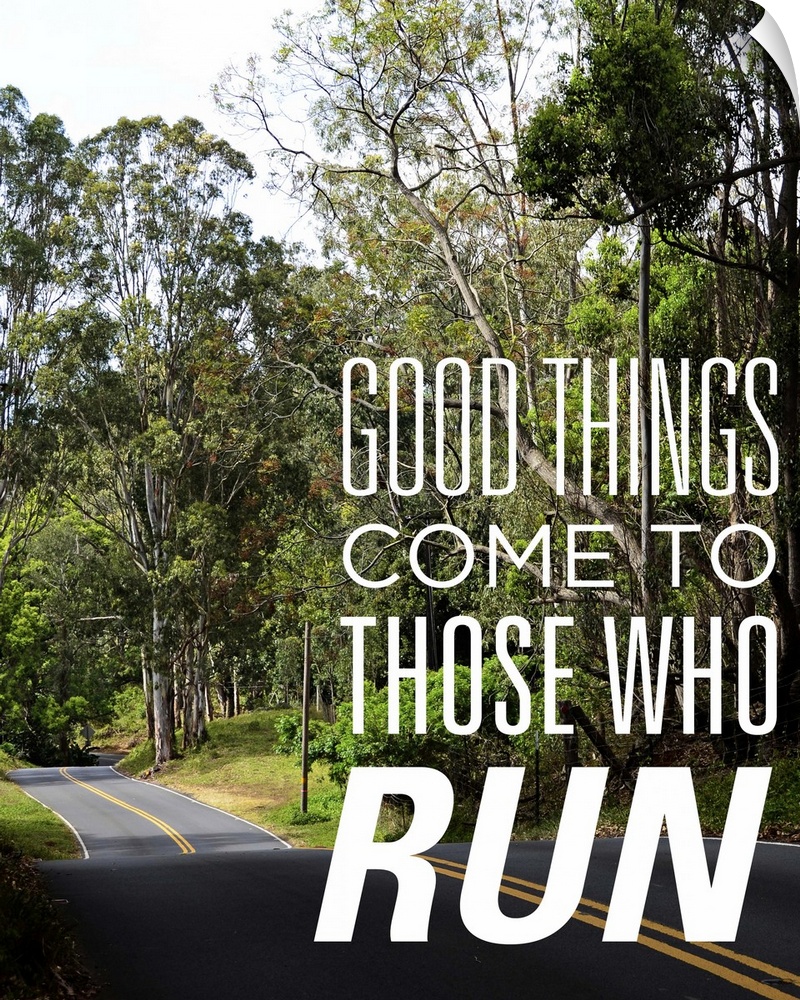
{"points": [[66, 823], [206, 805], [175, 835]]}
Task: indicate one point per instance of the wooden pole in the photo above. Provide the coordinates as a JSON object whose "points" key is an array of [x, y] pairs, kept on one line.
{"points": [[306, 707]]}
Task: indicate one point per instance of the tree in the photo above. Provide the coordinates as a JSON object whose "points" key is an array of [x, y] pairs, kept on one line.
{"points": [[164, 268], [94, 606], [634, 121], [685, 142], [36, 229], [415, 111]]}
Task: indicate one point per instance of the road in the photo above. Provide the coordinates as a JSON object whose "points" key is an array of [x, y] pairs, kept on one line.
{"points": [[115, 816], [235, 917]]}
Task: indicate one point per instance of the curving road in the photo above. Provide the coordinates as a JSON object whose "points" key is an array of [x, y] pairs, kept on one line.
{"points": [[236, 917], [116, 816]]}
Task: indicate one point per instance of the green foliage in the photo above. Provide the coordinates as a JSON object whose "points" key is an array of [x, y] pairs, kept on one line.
{"points": [[237, 770], [780, 817], [633, 125], [35, 195], [64, 648], [289, 733], [463, 758], [139, 759], [128, 718], [325, 808]]}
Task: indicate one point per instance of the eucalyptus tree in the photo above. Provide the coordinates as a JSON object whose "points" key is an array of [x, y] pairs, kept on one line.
{"points": [[244, 489], [36, 230], [162, 367], [413, 120]]}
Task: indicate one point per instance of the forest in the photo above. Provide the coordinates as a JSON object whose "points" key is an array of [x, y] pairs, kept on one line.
{"points": [[561, 240]]}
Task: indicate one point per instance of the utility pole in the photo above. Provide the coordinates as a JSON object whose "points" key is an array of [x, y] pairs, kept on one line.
{"points": [[306, 707]]}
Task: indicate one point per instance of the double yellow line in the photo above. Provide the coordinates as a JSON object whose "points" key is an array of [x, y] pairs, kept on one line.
{"points": [[681, 953], [180, 840]]}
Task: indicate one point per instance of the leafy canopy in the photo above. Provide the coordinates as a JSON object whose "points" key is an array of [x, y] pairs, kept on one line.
{"points": [[635, 122]]}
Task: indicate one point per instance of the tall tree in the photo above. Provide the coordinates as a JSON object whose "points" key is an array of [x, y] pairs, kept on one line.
{"points": [[165, 258], [415, 112], [671, 115], [36, 228], [634, 120]]}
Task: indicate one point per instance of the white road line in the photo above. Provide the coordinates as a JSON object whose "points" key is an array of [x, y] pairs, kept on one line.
{"points": [[197, 802], [66, 822]]}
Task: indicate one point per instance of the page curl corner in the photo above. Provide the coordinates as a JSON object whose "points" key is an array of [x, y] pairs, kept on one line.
{"points": [[778, 32]]}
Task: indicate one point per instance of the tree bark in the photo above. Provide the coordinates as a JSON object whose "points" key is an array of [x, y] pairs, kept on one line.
{"points": [[147, 688], [194, 729], [163, 718], [645, 416]]}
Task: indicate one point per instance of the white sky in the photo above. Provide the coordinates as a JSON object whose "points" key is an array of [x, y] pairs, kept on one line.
{"points": [[92, 61]]}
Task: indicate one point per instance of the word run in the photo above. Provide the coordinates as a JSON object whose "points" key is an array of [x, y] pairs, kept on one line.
{"points": [[710, 909], [651, 676]]}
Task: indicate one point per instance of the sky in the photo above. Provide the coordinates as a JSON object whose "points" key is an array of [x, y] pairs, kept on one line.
{"points": [[92, 61]]}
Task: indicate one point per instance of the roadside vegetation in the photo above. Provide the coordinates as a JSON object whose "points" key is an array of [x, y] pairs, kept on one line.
{"points": [[37, 956], [249, 766], [38, 959], [27, 826]]}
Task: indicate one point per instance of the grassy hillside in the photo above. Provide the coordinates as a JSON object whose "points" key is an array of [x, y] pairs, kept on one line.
{"points": [[238, 770]]}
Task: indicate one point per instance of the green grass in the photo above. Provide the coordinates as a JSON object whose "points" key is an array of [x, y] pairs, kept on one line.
{"points": [[238, 770], [28, 827], [713, 785], [780, 819]]}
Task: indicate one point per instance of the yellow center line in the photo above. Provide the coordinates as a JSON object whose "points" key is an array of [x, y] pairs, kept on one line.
{"points": [[181, 841], [753, 963], [721, 971]]}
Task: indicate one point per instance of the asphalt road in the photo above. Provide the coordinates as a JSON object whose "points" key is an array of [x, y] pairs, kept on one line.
{"points": [[226, 922], [117, 817]]}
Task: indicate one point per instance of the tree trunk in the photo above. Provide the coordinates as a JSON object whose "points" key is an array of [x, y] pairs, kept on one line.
{"points": [[645, 415], [208, 702], [178, 702], [223, 698], [163, 718], [194, 730], [147, 687]]}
